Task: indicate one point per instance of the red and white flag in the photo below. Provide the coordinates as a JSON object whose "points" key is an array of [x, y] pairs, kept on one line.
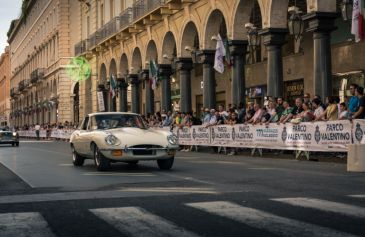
{"points": [[358, 20]]}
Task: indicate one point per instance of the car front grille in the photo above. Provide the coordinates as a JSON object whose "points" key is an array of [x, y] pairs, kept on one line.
{"points": [[145, 150]]}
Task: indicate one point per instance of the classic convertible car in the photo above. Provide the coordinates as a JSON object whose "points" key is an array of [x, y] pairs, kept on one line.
{"points": [[9, 137], [121, 137]]}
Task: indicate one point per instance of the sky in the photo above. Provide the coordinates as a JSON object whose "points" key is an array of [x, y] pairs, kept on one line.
{"points": [[9, 10]]}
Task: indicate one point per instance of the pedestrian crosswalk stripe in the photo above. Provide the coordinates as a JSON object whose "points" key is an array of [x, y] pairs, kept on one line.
{"points": [[138, 222], [357, 196], [24, 224], [262, 220], [324, 205]]}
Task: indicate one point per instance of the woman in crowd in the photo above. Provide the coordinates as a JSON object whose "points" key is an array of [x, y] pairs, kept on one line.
{"points": [[318, 109], [344, 114], [331, 112], [306, 115]]}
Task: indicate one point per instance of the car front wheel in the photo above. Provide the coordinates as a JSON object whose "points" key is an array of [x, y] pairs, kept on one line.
{"points": [[165, 164], [77, 160], [101, 163]]}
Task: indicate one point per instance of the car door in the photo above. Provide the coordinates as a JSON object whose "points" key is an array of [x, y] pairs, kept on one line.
{"points": [[81, 137]]}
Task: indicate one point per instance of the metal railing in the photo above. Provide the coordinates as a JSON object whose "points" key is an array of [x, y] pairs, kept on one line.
{"points": [[80, 47], [36, 75], [142, 7], [125, 18], [21, 85]]}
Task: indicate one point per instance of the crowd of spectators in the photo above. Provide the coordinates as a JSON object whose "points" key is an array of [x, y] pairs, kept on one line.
{"points": [[273, 110]]}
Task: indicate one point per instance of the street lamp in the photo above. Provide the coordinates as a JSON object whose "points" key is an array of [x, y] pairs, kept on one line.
{"points": [[193, 52], [252, 35], [295, 23], [346, 9]]}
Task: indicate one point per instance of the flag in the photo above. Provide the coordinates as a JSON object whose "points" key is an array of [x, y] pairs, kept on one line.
{"points": [[228, 57], [113, 86], [220, 52], [153, 74], [358, 21]]}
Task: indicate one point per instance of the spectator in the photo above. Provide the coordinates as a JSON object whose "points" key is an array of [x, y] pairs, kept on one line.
{"points": [[286, 114], [232, 120], [318, 109], [256, 118], [307, 97], [354, 100], [213, 118], [222, 112], [306, 115], [272, 111], [37, 128], [279, 107], [344, 114], [207, 116], [298, 108], [250, 112], [360, 113], [331, 112], [241, 112], [168, 120]]}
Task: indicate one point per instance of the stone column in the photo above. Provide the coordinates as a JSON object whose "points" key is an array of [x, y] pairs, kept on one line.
{"points": [[165, 72], [206, 57], [273, 39], [123, 95], [134, 80], [150, 97], [322, 24], [184, 65], [238, 50]]}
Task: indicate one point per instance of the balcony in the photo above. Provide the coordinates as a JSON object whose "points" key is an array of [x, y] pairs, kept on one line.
{"points": [[142, 7], [21, 86], [80, 47], [36, 75], [12, 92], [125, 18]]}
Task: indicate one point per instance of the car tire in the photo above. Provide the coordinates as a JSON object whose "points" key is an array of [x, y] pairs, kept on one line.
{"points": [[101, 163], [12, 144], [17, 144], [77, 160], [165, 164]]}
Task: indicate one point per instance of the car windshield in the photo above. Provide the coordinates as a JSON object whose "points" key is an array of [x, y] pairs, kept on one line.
{"points": [[111, 121]]}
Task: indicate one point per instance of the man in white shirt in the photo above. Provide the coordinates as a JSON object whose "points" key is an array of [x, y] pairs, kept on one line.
{"points": [[37, 128]]}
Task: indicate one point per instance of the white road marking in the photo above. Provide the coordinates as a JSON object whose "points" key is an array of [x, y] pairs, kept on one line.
{"points": [[262, 220], [357, 196], [173, 190], [323, 205], [87, 195], [138, 222], [22, 141], [24, 224], [119, 174]]}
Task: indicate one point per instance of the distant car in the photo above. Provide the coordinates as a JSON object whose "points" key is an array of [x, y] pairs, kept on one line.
{"points": [[9, 137], [121, 137]]}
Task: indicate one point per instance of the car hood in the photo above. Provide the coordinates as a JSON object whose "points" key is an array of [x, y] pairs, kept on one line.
{"points": [[136, 136]]}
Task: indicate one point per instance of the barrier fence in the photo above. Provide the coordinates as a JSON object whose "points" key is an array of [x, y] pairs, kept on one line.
{"points": [[319, 136]]}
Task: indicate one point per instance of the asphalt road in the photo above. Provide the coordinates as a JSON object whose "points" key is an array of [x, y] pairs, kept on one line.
{"points": [[205, 194]]}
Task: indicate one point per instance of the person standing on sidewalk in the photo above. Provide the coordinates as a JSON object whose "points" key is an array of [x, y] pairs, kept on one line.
{"points": [[37, 130]]}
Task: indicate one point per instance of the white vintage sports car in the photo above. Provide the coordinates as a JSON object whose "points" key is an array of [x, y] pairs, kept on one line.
{"points": [[121, 137]]}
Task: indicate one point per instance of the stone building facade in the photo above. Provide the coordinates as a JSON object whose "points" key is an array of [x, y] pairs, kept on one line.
{"points": [[4, 88], [120, 38], [40, 50]]}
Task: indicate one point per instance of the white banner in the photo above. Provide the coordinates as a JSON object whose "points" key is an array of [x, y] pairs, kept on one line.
{"points": [[358, 131], [319, 136], [100, 101]]}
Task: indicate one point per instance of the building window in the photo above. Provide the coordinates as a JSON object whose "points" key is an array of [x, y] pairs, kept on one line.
{"points": [[111, 9], [101, 15]]}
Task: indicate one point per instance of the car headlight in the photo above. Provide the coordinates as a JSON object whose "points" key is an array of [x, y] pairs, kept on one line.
{"points": [[172, 139], [112, 140], [14, 134]]}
